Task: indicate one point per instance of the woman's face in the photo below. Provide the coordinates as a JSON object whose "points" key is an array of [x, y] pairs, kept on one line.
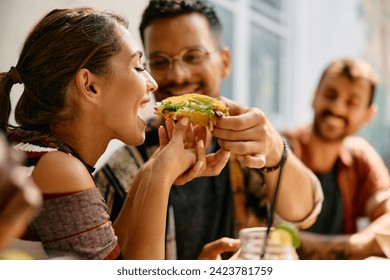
{"points": [[126, 92]]}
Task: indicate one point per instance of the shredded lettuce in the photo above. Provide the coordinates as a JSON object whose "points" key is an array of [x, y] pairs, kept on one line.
{"points": [[189, 106]]}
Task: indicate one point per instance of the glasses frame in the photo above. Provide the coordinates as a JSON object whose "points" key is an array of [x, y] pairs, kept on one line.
{"points": [[178, 57]]}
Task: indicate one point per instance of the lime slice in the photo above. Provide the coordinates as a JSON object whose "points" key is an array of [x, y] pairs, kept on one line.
{"points": [[286, 233], [13, 254], [281, 236]]}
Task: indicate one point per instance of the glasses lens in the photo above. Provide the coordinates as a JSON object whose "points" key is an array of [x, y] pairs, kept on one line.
{"points": [[159, 63], [190, 57], [194, 56]]}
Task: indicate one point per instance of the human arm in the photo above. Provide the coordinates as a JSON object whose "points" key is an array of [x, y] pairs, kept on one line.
{"points": [[360, 245], [20, 198], [74, 213], [140, 226], [249, 134]]}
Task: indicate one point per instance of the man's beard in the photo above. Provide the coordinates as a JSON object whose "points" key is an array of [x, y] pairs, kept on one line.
{"points": [[317, 130]]}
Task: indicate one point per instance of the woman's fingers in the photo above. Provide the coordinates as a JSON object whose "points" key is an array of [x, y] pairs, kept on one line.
{"points": [[192, 142], [189, 139], [201, 133], [179, 129], [198, 168], [170, 124], [163, 137], [201, 154], [216, 162], [189, 174]]}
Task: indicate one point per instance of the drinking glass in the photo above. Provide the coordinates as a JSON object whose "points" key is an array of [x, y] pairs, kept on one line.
{"points": [[253, 242]]}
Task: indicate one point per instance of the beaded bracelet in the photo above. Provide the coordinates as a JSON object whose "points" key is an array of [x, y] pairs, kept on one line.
{"points": [[281, 162]]}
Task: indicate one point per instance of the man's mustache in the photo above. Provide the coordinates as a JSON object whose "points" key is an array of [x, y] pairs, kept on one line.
{"points": [[327, 113], [170, 85]]}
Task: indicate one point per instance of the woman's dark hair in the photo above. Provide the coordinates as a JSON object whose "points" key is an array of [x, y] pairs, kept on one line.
{"points": [[64, 41], [158, 9]]}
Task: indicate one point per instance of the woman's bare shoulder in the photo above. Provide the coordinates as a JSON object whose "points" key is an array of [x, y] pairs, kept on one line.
{"points": [[58, 172]]}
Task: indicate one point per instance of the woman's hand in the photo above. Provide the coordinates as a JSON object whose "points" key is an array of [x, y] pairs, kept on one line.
{"points": [[193, 140]]}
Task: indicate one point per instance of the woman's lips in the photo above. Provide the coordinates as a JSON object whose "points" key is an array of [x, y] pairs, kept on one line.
{"points": [[144, 103]]}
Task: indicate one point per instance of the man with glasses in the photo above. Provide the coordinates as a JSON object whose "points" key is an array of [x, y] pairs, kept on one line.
{"points": [[182, 41]]}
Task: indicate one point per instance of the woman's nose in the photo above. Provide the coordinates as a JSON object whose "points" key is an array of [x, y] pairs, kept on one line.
{"points": [[151, 82]]}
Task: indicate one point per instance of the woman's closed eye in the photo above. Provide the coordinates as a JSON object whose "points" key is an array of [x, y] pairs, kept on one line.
{"points": [[139, 69]]}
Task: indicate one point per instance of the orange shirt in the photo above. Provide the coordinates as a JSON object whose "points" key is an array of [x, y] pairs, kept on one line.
{"points": [[362, 176]]}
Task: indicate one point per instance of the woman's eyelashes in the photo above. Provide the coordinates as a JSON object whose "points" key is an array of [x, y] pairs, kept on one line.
{"points": [[139, 69]]}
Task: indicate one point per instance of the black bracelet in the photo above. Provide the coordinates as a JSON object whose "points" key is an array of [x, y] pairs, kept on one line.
{"points": [[281, 162]]}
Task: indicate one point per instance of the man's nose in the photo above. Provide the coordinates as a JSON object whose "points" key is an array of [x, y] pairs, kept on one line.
{"points": [[178, 71], [339, 106]]}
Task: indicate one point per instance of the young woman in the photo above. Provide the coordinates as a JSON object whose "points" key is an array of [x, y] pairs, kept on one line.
{"points": [[83, 86]]}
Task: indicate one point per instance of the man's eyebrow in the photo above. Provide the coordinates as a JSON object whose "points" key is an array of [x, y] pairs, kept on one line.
{"points": [[157, 53], [330, 87], [193, 47]]}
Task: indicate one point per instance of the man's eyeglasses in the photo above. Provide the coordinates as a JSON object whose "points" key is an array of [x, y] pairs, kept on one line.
{"points": [[162, 62]]}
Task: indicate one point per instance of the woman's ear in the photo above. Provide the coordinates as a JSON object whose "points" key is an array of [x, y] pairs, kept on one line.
{"points": [[86, 83]]}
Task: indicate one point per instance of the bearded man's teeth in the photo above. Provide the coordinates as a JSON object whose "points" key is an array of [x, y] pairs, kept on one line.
{"points": [[334, 121]]}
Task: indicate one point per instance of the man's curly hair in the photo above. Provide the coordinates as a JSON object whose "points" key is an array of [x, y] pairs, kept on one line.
{"points": [[158, 9]]}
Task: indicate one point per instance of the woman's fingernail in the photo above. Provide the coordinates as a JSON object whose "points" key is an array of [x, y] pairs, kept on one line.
{"points": [[234, 242], [184, 121]]}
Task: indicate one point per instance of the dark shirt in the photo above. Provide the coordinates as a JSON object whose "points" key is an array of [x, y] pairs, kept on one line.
{"points": [[362, 176], [203, 208], [330, 219], [203, 212]]}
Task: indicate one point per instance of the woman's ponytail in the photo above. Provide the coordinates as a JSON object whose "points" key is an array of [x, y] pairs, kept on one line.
{"points": [[7, 80]]}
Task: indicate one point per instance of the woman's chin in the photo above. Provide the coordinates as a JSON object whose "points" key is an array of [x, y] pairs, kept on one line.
{"points": [[134, 137], [140, 139]]}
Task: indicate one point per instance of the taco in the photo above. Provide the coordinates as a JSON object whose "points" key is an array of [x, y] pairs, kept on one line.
{"points": [[199, 108]]}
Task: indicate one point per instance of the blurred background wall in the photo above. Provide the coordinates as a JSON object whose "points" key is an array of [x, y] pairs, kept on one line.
{"points": [[279, 49]]}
